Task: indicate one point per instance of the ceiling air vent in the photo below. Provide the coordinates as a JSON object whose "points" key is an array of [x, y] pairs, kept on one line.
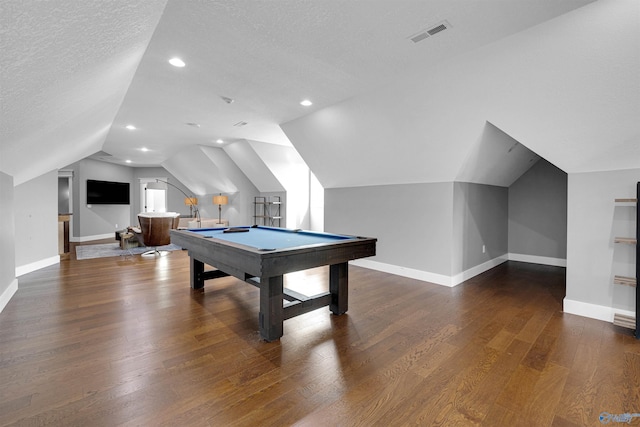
{"points": [[431, 31], [419, 37], [436, 30], [240, 124], [103, 156]]}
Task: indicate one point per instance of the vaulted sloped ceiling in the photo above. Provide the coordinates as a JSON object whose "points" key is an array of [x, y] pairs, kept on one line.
{"points": [[559, 77], [567, 89], [270, 167], [64, 71], [285, 163], [205, 170], [570, 88], [253, 166]]}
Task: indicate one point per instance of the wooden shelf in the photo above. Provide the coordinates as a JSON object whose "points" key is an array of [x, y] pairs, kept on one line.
{"points": [[624, 321], [620, 319], [629, 240], [627, 281]]}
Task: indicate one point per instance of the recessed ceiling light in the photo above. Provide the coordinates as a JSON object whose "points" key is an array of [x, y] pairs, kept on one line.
{"points": [[177, 62], [145, 149], [219, 141], [131, 127], [127, 161], [306, 103]]}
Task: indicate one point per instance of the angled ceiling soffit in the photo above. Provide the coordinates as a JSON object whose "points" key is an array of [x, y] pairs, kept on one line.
{"points": [[285, 163], [496, 159], [254, 166], [201, 172]]}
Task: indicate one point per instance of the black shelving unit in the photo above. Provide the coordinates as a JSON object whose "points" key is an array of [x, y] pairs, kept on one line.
{"points": [[637, 331], [267, 211]]}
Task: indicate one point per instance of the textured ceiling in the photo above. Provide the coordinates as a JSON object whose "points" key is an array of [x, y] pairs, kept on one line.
{"points": [[64, 71], [75, 73], [567, 89], [268, 56]]}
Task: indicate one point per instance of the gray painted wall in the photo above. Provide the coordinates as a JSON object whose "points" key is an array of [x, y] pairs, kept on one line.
{"points": [[436, 228], [480, 219], [36, 219], [98, 221], [538, 212], [7, 233], [412, 222], [594, 219]]}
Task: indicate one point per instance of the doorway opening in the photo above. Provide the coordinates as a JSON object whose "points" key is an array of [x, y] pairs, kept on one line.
{"points": [[152, 199]]}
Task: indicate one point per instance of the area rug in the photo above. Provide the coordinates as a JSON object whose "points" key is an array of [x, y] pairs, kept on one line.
{"points": [[113, 249]]}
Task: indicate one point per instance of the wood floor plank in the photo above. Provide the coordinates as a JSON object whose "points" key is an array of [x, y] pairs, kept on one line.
{"points": [[126, 341], [541, 408]]}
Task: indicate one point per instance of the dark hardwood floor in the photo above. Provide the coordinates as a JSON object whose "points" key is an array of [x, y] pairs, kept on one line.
{"points": [[125, 341]]}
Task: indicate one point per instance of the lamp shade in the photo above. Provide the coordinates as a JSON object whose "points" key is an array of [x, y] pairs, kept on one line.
{"points": [[220, 200], [190, 201], [156, 186]]}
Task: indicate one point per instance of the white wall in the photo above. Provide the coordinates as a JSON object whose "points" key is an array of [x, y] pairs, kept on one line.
{"points": [[36, 223], [316, 204], [293, 173], [8, 280], [592, 257]]}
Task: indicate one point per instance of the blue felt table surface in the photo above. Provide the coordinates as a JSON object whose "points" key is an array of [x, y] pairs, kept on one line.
{"points": [[271, 238]]}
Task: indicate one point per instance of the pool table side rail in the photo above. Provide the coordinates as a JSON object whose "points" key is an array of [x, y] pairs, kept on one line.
{"points": [[242, 261]]}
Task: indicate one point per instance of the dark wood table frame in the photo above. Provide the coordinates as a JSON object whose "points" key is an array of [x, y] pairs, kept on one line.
{"points": [[265, 269]]}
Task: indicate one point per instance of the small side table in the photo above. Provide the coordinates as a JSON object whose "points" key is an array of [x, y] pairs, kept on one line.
{"points": [[128, 241]]}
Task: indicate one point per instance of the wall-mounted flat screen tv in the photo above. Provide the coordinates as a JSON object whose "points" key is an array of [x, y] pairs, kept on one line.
{"points": [[107, 193]]}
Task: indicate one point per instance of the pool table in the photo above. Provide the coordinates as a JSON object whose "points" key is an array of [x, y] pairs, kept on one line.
{"points": [[262, 255]]}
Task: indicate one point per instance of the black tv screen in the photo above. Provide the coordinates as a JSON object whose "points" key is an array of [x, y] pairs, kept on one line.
{"points": [[107, 193]]}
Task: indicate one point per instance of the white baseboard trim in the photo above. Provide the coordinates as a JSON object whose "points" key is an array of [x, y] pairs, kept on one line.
{"points": [[426, 276], [593, 311], [90, 238], [8, 293], [478, 269], [535, 259], [28, 268]]}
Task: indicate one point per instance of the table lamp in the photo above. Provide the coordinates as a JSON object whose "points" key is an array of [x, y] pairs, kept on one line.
{"points": [[191, 202], [220, 200]]}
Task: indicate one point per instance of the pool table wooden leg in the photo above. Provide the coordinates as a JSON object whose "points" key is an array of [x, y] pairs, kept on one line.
{"points": [[339, 288], [271, 315], [197, 270]]}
